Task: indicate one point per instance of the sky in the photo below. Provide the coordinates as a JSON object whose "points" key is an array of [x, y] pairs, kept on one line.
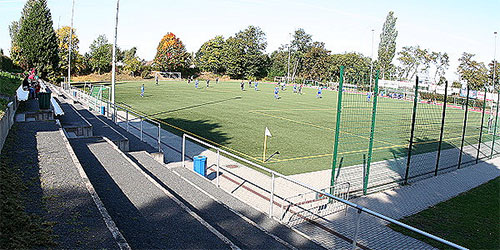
{"points": [[452, 26]]}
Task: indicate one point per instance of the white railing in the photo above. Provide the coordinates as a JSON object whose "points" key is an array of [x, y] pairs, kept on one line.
{"points": [[359, 209], [111, 111]]}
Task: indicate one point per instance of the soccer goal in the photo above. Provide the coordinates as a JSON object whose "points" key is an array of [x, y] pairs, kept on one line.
{"points": [[170, 75], [280, 78]]}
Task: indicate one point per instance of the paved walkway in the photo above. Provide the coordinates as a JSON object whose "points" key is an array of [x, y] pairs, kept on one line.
{"points": [[55, 189], [253, 187]]}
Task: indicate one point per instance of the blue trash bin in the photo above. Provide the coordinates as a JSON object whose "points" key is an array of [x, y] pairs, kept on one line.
{"points": [[200, 165], [103, 110]]}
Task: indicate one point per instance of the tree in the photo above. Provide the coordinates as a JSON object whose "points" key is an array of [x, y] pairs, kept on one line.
{"points": [[411, 58], [355, 63], [63, 34], [387, 45], [244, 54], [100, 55], [37, 40], [456, 84], [132, 62], [171, 54], [442, 62], [278, 65], [475, 73], [14, 44], [316, 62], [493, 66], [209, 56]]}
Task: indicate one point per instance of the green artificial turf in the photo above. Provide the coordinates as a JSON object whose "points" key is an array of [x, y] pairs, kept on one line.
{"points": [[302, 126], [471, 219]]}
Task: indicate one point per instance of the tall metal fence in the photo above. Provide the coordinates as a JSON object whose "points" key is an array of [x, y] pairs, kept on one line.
{"points": [[387, 135]]}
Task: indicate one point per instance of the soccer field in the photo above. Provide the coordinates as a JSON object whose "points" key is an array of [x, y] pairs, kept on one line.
{"points": [[302, 126]]}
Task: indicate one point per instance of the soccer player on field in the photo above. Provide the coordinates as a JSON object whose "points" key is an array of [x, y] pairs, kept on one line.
{"points": [[320, 90], [156, 78], [208, 83], [196, 83], [368, 96], [216, 80], [242, 85], [142, 90], [300, 88], [256, 84], [295, 88], [276, 92]]}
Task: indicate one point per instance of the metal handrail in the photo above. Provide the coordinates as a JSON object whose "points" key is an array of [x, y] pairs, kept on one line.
{"points": [[359, 208]]}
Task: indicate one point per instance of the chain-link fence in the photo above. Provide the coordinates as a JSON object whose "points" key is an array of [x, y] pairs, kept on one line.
{"points": [[390, 133]]}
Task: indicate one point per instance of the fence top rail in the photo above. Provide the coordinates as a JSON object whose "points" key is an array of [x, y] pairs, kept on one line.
{"points": [[353, 205], [120, 107]]}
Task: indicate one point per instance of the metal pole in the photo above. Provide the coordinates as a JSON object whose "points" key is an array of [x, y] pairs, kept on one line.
{"points": [[218, 166], [463, 128], [271, 200], [183, 150], [495, 128], [337, 127], [141, 128], [442, 128], [412, 132], [113, 68], [356, 230], [481, 128], [126, 117], [372, 133], [371, 64], [70, 42], [159, 138], [288, 64]]}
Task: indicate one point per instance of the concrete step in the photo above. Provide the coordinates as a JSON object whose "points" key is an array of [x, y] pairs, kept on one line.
{"points": [[246, 227], [143, 213], [72, 122]]}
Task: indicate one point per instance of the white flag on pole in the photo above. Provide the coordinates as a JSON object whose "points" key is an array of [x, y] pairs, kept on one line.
{"points": [[268, 133]]}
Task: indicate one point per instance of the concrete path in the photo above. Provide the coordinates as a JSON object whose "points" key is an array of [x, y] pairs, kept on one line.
{"points": [[55, 190]]}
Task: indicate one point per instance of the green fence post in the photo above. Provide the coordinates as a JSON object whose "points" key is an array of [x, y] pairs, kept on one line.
{"points": [[464, 128], [414, 116], [372, 132], [495, 128], [481, 128], [337, 127], [441, 133]]}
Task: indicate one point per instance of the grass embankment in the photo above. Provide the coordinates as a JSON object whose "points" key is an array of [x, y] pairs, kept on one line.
{"points": [[18, 229], [8, 86], [471, 219]]}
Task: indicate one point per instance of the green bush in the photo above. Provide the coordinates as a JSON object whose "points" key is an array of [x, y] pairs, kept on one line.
{"points": [[6, 63], [9, 83]]}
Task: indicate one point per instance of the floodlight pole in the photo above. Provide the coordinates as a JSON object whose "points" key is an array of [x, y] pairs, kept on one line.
{"points": [[288, 64], [371, 64], [70, 42], [494, 60], [113, 69]]}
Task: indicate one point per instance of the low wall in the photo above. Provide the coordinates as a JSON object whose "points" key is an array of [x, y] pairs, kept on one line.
{"points": [[7, 121]]}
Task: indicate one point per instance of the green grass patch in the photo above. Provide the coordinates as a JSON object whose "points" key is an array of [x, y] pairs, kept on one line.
{"points": [[9, 84], [302, 126], [471, 219]]}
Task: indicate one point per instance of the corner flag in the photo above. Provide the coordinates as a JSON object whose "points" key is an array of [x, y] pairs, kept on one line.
{"points": [[267, 133]]}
